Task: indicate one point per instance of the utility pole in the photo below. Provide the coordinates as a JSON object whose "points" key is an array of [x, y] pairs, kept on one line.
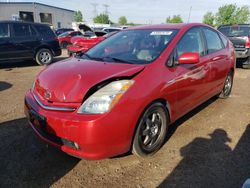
{"points": [[106, 12], [106, 9], [94, 9], [190, 10]]}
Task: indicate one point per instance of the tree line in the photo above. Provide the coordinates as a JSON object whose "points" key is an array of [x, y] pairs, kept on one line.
{"points": [[226, 14]]}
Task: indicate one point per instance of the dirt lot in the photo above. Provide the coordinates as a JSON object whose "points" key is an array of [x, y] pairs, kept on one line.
{"points": [[209, 147]]}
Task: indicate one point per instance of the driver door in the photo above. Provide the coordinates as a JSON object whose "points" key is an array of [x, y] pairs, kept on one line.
{"points": [[191, 79]]}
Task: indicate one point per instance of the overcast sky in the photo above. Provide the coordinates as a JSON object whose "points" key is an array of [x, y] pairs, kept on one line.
{"points": [[145, 11]]}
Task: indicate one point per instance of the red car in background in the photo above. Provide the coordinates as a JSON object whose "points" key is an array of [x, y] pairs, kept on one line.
{"points": [[65, 38], [83, 44], [124, 93]]}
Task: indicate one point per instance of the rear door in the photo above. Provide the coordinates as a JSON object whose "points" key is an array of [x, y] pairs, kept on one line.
{"points": [[25, 40], [191, 79], [6, 45], [219, 59]]}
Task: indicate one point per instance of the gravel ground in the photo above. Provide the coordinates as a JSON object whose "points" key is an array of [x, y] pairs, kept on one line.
{"points": [[209, 147]]}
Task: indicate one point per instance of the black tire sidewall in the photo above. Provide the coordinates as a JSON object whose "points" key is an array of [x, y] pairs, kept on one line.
{"points": [[136, 148], [38, 54], [222, 94], [64, 45]]}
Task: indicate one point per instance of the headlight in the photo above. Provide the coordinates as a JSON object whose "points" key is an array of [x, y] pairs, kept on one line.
{"points": [[104, 99]]}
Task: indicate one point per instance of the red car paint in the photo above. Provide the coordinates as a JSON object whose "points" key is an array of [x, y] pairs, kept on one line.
{"points": [[82, 44], [66, 37], [105, 135]]}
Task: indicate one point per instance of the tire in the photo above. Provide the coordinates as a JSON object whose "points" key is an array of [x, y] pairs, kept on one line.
{"points": [[44, 56], [64, 45], [246, 64], [151, 130], [228, 85]]}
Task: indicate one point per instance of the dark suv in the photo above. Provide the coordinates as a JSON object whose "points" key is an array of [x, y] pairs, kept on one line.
{"points": [[21, 41], [240, 37]]}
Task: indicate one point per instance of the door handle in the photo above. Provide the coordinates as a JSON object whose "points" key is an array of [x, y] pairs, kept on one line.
{"points": [[216, 58]]}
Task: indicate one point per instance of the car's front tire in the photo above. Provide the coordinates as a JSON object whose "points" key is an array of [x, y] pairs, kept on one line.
{"points": [[228, 85], [151, 130], [44, 56]]}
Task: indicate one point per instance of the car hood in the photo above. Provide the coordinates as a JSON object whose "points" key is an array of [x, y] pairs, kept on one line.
{"points": [[69, 81]]}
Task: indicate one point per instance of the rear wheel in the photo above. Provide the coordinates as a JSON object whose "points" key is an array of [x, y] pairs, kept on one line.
{"points": [[64, 45], [246, 64], [151, 130], [44, 56], [226, 91]]}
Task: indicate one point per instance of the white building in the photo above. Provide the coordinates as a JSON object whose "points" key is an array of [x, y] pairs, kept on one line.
{"points": [[37, 12]]}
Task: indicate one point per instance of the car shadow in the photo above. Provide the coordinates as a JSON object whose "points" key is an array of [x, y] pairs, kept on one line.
{"points": [[210, 162], [28, 162], [4, 85], [173, 127]]}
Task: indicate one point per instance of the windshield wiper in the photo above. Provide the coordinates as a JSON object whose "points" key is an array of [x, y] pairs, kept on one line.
{"points": [[90, 57], [117, 60]]}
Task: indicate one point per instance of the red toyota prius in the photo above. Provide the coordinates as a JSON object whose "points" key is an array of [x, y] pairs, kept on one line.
{"points": [[124, 93]]}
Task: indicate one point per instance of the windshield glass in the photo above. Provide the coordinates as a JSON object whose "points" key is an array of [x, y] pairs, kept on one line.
{"points": [[132, 46], [235, 30]]}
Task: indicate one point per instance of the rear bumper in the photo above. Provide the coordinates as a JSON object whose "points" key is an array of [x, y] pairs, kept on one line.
{"points": [[242, 52], [98, 136]]}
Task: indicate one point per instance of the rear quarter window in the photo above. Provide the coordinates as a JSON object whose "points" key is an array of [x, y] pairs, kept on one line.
{"points": [[224, 40], [45, 31], [213, 40]]}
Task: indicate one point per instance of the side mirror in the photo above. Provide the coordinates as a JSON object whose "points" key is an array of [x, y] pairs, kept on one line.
{"points": [[189, 58]]}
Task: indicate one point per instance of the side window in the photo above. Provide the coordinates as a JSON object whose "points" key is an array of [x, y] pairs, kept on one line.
{"points": [[224, 40], [45, 31], [213, 41], [21, 30], [32, 31], [4, 30], [191, 42], [74, 34]]}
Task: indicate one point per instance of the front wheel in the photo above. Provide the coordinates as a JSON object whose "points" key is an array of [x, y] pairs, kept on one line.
{"points": [[228, 84], [44, 56], [151, 130]]}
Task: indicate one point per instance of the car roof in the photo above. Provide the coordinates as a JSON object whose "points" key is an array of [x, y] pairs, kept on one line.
{"points": [[34, 23], [168, 26], [228, 25]]}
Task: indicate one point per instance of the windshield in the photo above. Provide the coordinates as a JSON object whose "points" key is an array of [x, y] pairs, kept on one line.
{"points": [[235, 30], [132, 46]]}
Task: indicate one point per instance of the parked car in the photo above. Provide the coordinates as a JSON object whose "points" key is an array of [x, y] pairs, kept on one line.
{"points": [[22, 41], [240, 37], [65, 38], [82, 44], [111, 29], [63, 30], [126, 91]]}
